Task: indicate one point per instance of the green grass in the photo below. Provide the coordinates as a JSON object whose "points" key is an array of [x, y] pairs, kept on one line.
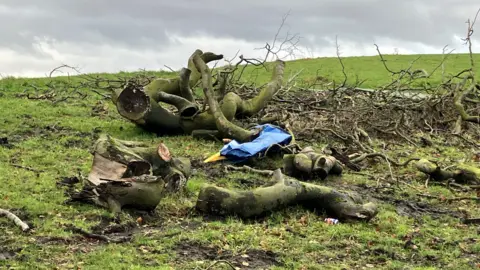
{"points": [[56, 140]]}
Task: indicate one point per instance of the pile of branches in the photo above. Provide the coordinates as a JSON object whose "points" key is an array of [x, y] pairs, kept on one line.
{"points": [[406, 106]]}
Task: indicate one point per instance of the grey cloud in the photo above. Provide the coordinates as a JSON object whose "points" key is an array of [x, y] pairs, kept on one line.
{"points": [[142, 24]]}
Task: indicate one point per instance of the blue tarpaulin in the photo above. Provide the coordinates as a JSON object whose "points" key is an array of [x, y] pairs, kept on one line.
{"points": [[269, 136]]}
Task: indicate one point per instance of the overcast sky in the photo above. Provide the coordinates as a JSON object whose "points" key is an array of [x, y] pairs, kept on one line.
{"points": [[115, 35]]}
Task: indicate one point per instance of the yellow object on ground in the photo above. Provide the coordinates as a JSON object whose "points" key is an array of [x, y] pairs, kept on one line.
{"points": [[215, 157]]}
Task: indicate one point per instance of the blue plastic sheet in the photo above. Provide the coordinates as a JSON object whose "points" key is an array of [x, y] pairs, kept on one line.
{"points": [[270, 135]]}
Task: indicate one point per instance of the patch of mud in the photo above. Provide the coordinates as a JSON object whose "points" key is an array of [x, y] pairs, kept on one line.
{"points": [[28, 130], [251, 259], [249, 182], [55, 240], [212, 170], [411, 208], [417, 209]]}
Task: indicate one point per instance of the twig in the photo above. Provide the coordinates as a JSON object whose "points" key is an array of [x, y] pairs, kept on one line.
{"points": [[246, 168], [393, 162], [15, 219], [26, 168], [171, 69]]}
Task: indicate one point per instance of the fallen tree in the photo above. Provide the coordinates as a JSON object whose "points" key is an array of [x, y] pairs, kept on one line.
{"points": [[142, 104], [286, 191], [131, 174]]}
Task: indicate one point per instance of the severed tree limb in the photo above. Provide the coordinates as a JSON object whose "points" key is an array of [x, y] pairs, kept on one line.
{"points": [[308, 163], [24, 226], [461, 175], [226, 128], [184, 106], [131, 174], [185, 90], [134, 104], [286, 192], [172, 86]]}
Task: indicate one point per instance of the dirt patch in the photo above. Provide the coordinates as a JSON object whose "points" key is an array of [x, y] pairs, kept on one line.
{"points": [[250, 259], [411, 208], [55, 240], [29, 129], [417, 209], [212, 170]]}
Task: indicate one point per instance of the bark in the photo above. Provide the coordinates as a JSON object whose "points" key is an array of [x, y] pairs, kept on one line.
{"points": [[132, 174], [463, 174], [184, 107], [221, 88], [310, 164], [185, 89], [285, 192]]}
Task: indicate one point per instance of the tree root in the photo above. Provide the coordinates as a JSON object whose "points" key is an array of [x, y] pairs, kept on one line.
{"points": [[287, 191], [9, 215]]}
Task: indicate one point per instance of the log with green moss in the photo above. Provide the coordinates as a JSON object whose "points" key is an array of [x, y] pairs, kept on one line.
{"points": [[285, 192], [309, 164], [131, 174], [142, 105], [463, 174]]}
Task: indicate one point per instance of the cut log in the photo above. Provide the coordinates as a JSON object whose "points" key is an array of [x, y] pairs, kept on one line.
{"points": [[463, 174], [310, 164], [131, 174], [285, 192]]}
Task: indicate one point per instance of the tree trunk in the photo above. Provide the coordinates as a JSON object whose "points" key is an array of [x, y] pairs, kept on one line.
{"points": [[286, 192]]}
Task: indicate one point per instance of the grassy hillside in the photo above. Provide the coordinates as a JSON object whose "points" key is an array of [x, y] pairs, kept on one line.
{"points": [[369, 69], [44, 142]]}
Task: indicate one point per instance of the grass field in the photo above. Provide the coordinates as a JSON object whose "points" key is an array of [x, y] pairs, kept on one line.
{"points": [[48, 142]]}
